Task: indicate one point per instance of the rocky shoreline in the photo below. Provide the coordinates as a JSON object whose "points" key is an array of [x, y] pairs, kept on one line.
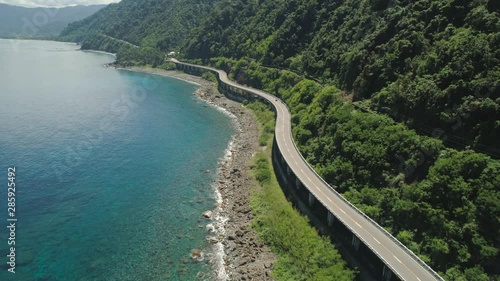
{"points": [[238, 253]]}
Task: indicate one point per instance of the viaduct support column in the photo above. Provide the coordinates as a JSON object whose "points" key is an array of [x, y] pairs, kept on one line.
{"points": [[330, 219], [297, 183], [386, 273], [311, 199], [355, 242]]}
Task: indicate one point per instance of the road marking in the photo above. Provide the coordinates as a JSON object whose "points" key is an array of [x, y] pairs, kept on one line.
{"points": [[319, 190], [376, 240], [281, 110]]}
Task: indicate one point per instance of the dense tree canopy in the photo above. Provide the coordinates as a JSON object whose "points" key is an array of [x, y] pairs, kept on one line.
{"points": [[442, 203], [432, 64], [410, 137], [162, 24]]}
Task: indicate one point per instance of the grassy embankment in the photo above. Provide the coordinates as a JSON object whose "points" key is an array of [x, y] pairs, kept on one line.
{"points": [[302, 253]]}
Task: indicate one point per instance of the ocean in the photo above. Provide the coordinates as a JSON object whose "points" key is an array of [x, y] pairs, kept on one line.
{"points": [[113, 169]]}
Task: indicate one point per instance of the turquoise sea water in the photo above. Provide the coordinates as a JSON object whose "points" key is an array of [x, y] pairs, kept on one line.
{"points": [[113, 168]]}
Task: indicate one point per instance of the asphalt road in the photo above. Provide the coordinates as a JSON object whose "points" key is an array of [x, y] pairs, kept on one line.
{"points": [[400, 260]]}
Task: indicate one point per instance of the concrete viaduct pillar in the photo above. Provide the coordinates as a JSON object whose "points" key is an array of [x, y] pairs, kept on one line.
{"points": [[386, 273], [311, 199], [297, 183], [355, 242], [330, 219]]}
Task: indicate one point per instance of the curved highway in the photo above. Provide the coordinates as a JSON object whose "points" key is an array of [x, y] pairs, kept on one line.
{"points": [[401, 261]]}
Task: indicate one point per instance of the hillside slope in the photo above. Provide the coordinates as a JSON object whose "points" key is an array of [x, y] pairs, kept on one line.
{"points": [[432, 64], [162, 24], [21, 22], [424, 80]]}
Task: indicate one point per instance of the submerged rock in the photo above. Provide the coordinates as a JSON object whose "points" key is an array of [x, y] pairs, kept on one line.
{"points": [[197, 255], [207, 214]]}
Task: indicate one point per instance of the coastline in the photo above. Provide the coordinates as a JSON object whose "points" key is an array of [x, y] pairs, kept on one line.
{"points": [[99, 52], [39, 40], [238, 254]]}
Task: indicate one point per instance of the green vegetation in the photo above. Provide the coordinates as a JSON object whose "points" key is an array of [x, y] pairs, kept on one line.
{"points": [[160, 24], [133, 56], [285, 230], [442, 203], [209, 76], [432, 66], [168, 66], [104, 43], [155, 27], [266, 119], [127, 54], [429, 63]]}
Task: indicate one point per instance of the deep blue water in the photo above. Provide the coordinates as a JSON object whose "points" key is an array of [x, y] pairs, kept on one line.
{"points": [[111, 167]]}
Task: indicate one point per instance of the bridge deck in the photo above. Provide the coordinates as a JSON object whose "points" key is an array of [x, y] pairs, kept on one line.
{"points": [[401, 261]]}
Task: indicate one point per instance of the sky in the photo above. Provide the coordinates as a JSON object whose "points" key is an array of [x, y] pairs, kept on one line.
{"points": [[55, 3]]}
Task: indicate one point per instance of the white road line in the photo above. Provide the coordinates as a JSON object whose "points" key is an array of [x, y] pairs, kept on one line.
{"points": [[316, 190]]}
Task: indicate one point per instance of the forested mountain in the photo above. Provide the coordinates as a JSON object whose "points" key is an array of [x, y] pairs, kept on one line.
{"points": [[21, 22], [403, 138], [432, 64], [163, 24]]}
